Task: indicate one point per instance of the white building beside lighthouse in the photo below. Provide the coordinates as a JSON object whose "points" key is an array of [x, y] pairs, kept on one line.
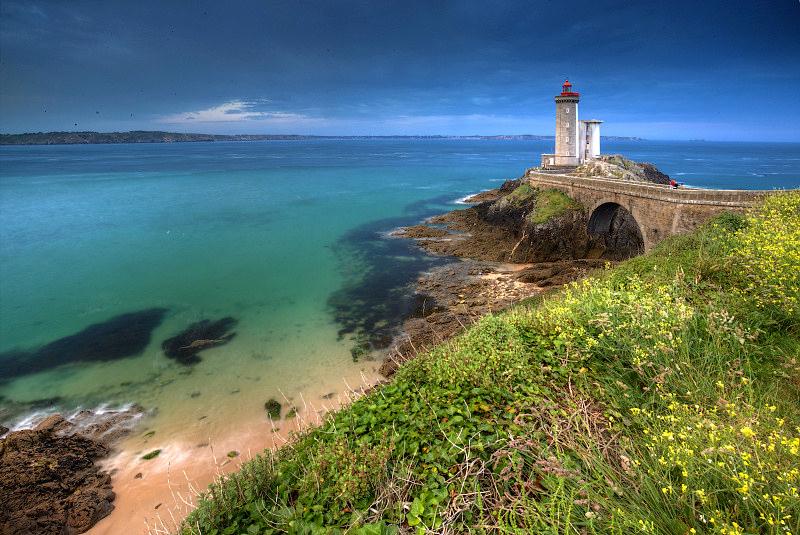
{"points": [[576, 141]]}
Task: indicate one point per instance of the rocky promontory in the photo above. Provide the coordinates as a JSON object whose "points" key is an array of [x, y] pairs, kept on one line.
{"points": [[518, 224]]}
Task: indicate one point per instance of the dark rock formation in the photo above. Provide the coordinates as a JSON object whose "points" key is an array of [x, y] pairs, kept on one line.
{"points": [[273, 408], [50, 482], [421, 232], [471, 237], [122, 336], [500, 231], [520, 224], [652, 174], [203, 334], [494, 194]]}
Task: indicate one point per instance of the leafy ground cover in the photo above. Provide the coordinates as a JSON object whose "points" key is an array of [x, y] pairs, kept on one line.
{"points": [[660, 396]]}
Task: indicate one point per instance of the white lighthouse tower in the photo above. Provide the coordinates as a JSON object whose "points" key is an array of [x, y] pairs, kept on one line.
{"points": [[576, 141]]}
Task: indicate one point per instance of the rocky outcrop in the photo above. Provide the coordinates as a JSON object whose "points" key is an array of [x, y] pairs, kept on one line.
{"points": [[492, 195], [511, 228], [618, 167], [50, 480], [421, 232]]}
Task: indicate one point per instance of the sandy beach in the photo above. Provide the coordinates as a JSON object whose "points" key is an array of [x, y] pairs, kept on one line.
{"points": [[154, 496]]}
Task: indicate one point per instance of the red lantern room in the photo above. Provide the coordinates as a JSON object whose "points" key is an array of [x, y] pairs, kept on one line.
{"points": [[566, 90]]}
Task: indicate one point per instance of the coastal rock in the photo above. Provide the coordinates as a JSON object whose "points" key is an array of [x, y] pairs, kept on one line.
{"points": [[471, 237], [530, 225], [618, 167], [495, 235], [494, 194], [203, 334], [50, 481], [421, 232], [549, 274]]}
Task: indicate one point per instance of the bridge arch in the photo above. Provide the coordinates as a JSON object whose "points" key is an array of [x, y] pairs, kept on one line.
{"points": [[613, 229], [659, 211]]}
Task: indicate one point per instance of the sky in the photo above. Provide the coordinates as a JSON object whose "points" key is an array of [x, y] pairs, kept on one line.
{"points": [[717, 70]]}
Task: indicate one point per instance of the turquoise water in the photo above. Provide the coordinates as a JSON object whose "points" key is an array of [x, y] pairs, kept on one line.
{"points": [[287, 238]]}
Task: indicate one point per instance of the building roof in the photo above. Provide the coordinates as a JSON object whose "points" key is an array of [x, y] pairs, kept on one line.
{"points": [[566, 90]]}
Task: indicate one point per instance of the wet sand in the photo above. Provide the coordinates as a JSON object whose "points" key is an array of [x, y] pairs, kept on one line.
{"points": [[197, 455]]}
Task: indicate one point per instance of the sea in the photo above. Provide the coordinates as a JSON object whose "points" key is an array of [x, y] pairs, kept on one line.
{"points": [[108, 251]]}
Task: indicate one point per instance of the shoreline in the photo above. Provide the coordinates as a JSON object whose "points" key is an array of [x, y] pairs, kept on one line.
{"points": [[153, 496], [156, 495]]}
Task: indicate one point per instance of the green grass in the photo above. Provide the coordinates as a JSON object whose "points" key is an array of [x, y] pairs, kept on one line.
{"points": [[659, 396], [551, 203], [521, 194]]}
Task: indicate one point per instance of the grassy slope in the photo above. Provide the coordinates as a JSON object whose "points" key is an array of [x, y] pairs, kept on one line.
{"points": [[551, 203], [661, 396]]}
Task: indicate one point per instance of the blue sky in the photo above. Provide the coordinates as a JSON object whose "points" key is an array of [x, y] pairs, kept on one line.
{"points": [[720, 70]]}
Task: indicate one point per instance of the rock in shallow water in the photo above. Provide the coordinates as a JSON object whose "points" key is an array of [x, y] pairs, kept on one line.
{"points": [[122, 336], [273, 408], [198, 336]]}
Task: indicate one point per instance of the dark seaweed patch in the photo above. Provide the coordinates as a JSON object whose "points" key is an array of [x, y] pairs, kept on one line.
{"points": [[198, 336], [122, 336], [379, 273]]}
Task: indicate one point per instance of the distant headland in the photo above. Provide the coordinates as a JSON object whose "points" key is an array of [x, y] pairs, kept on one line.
{"points": [[144, 136]]}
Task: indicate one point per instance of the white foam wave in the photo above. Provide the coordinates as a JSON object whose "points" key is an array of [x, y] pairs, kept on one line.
{"points": [[463, 200], [83, 418]]}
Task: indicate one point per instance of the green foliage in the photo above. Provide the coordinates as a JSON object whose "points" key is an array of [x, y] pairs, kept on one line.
{"points": [[152, 455], [660, 396], [551, 203], [520, 195]]}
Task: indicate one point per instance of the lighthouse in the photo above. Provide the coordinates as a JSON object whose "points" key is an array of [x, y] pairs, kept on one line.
{"points": [[576, 141]]}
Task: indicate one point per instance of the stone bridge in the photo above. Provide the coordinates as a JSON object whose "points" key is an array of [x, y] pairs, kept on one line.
{"points": [[659, 211]]}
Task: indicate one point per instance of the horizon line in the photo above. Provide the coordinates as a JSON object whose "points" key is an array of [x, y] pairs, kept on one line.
{"points": [[375, 136]]}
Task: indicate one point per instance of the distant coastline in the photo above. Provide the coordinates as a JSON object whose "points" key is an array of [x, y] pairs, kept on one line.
{"points": [[144, 136]]}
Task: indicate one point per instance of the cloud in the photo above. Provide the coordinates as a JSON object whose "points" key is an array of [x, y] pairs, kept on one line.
{"points": [[234, 111]]}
